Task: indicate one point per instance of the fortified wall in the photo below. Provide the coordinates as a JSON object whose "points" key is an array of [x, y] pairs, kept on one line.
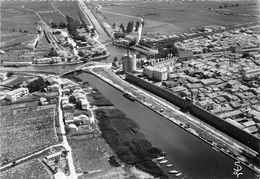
{"points": [[231, 130]]}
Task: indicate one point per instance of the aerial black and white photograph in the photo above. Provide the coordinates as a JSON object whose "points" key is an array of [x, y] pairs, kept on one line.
{"points": [[130, 89]]}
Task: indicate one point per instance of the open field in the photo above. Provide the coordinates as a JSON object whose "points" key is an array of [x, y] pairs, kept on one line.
{"points": [[17, 18], [89, 154], [178, 16], [71, 8], [17, 25], [18, 30], [25, 130], [53, 17], [32, 169]]}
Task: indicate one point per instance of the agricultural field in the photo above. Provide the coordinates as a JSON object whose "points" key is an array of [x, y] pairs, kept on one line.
{"points": [[53, 17], [38, 6], [71, 8], [90, 154], [18, 31], [26, 130], [179, 16], [17, 25], [32, 169]]}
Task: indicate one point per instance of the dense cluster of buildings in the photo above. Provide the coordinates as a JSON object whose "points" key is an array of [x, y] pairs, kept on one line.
{"points": [[74, 98], [89, 46], [225, 84], [227, 41]]}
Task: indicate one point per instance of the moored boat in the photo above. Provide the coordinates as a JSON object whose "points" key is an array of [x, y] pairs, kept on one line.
{"points": [[178, 174], [160, 158], [169, 165], [129, 96], [163, 161], [173, 171]]}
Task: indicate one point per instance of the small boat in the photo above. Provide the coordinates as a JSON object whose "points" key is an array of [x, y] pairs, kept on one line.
{"points": [[169, 165], [160, 158], [163, 161], [173, 171], [129, 96], [216, 149], [178, 174]]}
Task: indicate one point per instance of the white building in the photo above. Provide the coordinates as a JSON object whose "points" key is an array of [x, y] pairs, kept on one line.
{"points": [[148, 72], [158, 74], [17, 93]]}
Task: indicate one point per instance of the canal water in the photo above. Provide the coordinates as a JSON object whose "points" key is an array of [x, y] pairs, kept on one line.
{"points": [[188, 154]]}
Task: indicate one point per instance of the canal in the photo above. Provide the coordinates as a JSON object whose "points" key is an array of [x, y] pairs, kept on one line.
{"points": [[193, 157], [190, 155]]}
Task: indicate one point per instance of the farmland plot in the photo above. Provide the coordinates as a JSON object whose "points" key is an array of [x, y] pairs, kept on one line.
{"points": [[26, 130]]}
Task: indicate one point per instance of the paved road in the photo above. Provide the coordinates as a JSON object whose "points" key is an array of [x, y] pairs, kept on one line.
{"points": [[103, 37], [73, 174]]}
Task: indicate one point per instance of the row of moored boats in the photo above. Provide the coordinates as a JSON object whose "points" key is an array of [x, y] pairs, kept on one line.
{"points": [[162, 160]]}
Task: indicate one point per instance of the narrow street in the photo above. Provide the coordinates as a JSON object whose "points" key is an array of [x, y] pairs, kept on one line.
{"points": [[73, 174], [102, 35]]}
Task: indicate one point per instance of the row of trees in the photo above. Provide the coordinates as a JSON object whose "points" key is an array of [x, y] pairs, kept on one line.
{"points": [[52, 53], [72, 26], [25, 31], [228, 5], [60, 25], [130, 26]]}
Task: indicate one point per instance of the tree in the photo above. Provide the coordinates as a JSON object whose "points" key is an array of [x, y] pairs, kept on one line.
{"points": [[52, 53], [122, 27], [220, 7], [72, 99], [129, 27], [9, 74], [13, 30], [114, 25], [72, 27], [133, 43], [36, 85], [54, 25], [137, 25], [245, 55], [62, 25], [142, 23], [115, 59], [81, 54]]}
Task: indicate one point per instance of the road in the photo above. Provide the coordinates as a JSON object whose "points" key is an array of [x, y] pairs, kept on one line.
{"points": [[103, 37], [73, 174], [54, 7], [21, 160]]}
